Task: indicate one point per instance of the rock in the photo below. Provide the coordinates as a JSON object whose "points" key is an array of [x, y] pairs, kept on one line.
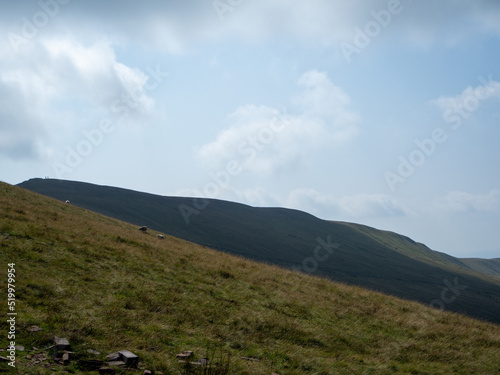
{"points": [[106, 371], [19, 348], [62, 344], [113, 357], [34, 329], [147, 372], [130, 359], [184, 355], [92, 351], [66, 357], [202, 361]]}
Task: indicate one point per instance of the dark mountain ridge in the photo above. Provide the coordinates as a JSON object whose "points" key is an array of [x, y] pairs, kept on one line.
{"points": [[345, 252]]}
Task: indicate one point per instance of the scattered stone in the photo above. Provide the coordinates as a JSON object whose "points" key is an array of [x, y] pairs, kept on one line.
{"points": [[106, 371], [113, 357], [92, 351], [19, 348], [67, 357], [147, 372], [62, 344], [185, 355], [38, 358], [130, 359], [202, 361], [34, 329]]}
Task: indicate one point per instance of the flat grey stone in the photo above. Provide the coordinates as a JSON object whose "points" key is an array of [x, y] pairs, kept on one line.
{"points": [[128, 357], [185, 355], [62, 343], [113, 357], [34, 329]]}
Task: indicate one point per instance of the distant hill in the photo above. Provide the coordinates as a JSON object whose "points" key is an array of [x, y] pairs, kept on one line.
{"points": [[344, 252], [105, 286], [486, 266]]}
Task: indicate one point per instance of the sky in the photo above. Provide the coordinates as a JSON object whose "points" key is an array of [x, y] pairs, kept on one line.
{"points": [[383, 113]]}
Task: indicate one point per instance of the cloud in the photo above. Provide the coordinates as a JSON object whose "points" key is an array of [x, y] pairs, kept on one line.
{"points": [[178, 26], [57, 86], [347, 207], [264, 139], [457, 201], [470, 98], [257, 197]]}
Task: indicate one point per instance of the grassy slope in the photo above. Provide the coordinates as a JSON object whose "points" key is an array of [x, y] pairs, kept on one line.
{"points": [[422, 253], [104, 285], [487, 266], [367, 257]]}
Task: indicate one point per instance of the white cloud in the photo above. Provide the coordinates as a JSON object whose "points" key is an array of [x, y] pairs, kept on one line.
{"points": [[458, 201], [257, 197], [347, 207], [175, 27], [57, 86], [263, 140], [469, 100]]}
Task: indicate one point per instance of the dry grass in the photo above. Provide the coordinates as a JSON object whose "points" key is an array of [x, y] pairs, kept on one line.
{"points": [[104, 285]]}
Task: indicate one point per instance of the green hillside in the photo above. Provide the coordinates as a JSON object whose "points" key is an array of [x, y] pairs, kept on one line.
{"points": [[362, 256], [486, 266], [105, 286]]}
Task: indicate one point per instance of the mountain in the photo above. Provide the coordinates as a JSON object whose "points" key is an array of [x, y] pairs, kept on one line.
{"points": [[344, 252], [106, 286], [486, 266]]}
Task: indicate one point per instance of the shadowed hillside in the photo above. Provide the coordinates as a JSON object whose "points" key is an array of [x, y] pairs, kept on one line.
{"points": [[106, 286], [345, 252]]}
